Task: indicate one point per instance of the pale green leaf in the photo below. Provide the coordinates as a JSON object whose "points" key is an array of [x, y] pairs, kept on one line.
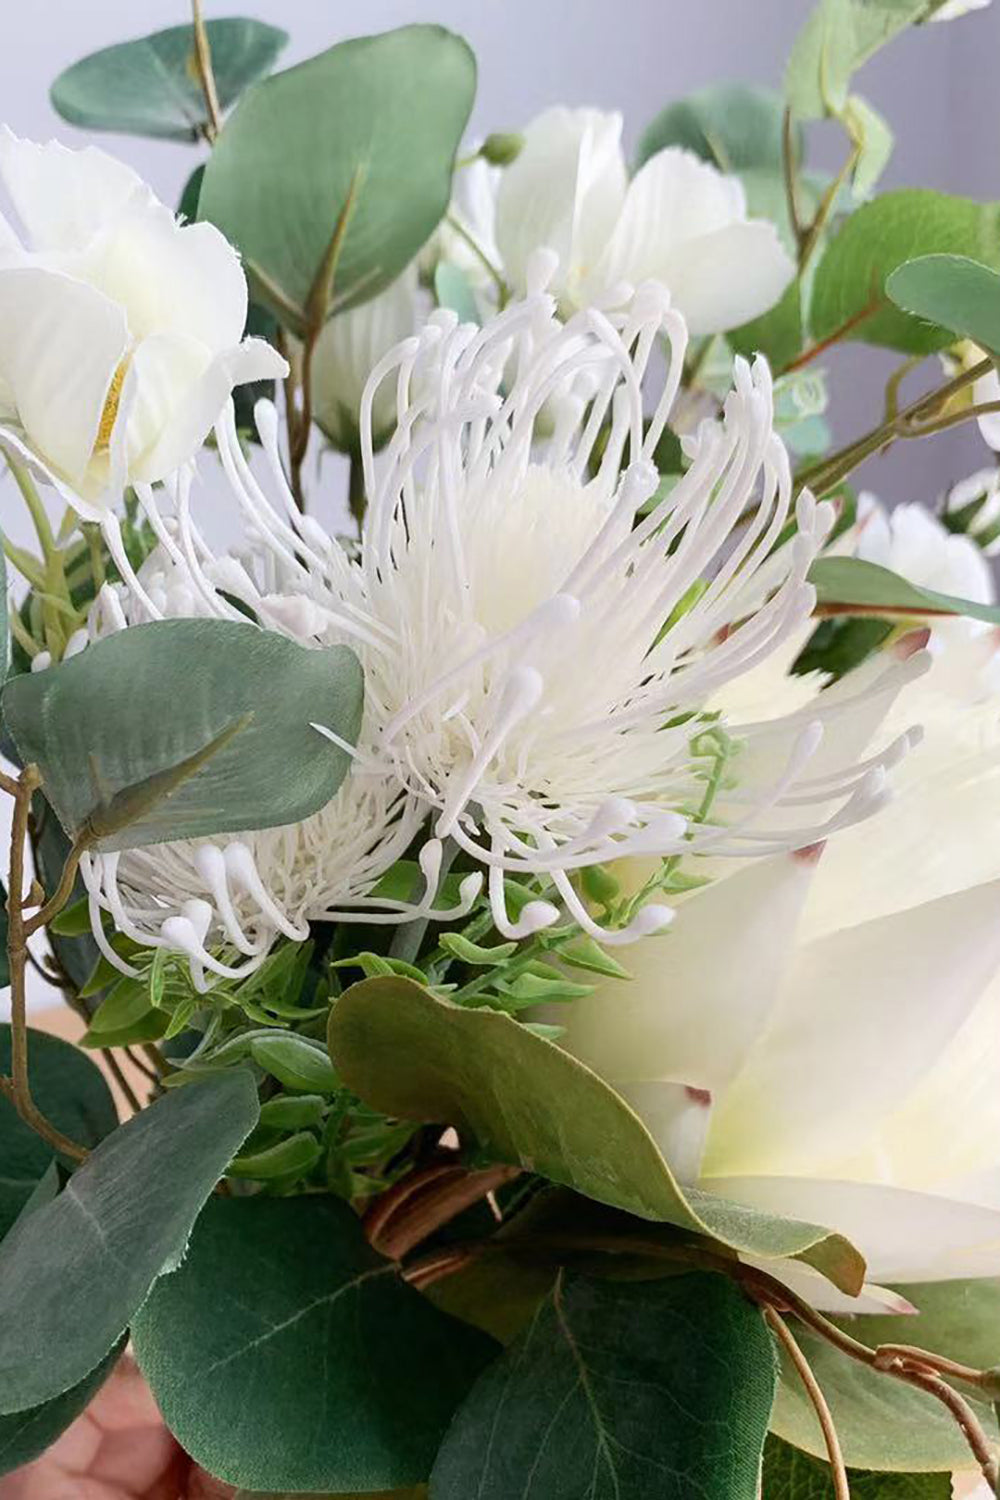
{"points": [[851, 585], [952, 292]]}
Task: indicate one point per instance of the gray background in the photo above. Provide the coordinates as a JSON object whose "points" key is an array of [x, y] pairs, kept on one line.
{"points": [[937, 85]]}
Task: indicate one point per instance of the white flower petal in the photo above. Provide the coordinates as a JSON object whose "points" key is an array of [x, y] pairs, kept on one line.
{"points": [[904, 1236], [64, 197], [199, 399], [721, 280], [172, 278], [565, 190], [679, 1017], [864, 1014], [348, 349], [61, 342], [987, 389]]}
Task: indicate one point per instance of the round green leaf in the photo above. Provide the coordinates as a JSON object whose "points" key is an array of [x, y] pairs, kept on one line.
{"points": [[952, 292], [74, 1271], [184, 728], [790, 1474], [70, 1091], [286, 1354], [659, 1390], [529, 1103], [25, 1435], [838, 38], [877, 239], [374, 123], [883, 1424], [151, 87], [734, 126], [866, 588]]}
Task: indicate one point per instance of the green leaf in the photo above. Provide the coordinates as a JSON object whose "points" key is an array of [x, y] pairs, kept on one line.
{"points": [[866, 588], [286, 1354], [151, 87], [383, 113], [952, 292], [73, 1273], [877, 239], [25, 1435], [415, 1057], [453, 289], [658, 1390], [296, 1063], [838, 38], [792, 1475], [291, 1158], [874, 139], [733, 126], [71, 1092], [184, 728], [777, 333], [883, 1424]]}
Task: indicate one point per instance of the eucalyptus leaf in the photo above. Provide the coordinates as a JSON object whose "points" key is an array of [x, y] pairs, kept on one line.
{"points": [[883, 1424], [952, 292], [25, 1435], [73, 1273], [873, 137], [734, 126], [71, 1092], [839, 37], [790, 1474], [378, 117], [453, 290], [659, 1390], [874, 242], [527, 1102], [286, 1354], [151, 86], [183, 728], [866, 588]]}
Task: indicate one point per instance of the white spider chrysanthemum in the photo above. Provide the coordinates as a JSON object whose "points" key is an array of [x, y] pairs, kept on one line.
{"points": [[541, 634]]}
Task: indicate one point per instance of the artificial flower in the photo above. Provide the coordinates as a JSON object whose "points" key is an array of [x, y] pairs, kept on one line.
{"points": [[798, 1041], [679, 221], [348, 349], [120, 329], [952, 9], [974, 504]]}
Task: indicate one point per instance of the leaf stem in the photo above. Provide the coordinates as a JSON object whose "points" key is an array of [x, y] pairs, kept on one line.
{"points": [[206, 73], [790, 168], [838, 1471], [493, 271], [841, 332]]}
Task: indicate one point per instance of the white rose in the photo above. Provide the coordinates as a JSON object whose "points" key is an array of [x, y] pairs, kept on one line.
{"points": [[818, 1034], [120, 329], [679, 221]]}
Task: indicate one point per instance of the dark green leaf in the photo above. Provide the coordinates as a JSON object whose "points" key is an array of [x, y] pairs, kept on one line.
{"points": [[26, 1434], [71, 1092], [151, 86], [883, 1424], [527, 1102], [952, 292], [183, 728], [877, 239], [383, 113], [73, 1273], [187, 208], [792, 1475], [867, 588], [285, 1354], [734, 126], [659, 1390], [776, 333], [838, 646]]}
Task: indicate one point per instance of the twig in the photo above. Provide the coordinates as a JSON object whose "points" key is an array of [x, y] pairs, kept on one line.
{"points": [[206, 74], [17, 1087], [790, 167], [838, 1471], [841, 332]]}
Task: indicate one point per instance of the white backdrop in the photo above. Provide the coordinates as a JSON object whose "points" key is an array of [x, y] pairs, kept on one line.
{"points": [[936, 86]]}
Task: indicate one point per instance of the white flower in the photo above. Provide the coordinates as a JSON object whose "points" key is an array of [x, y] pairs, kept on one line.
{"points": [[819, 1036], [952, 9], [466, 237], [120, 329], [538, 656], [981, 490], [348, 349], [911, 541], [679, 221]]}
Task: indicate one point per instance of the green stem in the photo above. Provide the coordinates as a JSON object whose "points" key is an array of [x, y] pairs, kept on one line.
{"points": [[480, 254]]}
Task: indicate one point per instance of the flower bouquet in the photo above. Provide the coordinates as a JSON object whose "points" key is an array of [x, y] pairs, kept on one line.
{"points": [[543, 929]]}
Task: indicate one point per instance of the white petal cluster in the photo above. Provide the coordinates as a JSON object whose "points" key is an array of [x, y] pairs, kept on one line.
{"points": [[679, 221], [820, 1033], [120, 329], [543, 634]]}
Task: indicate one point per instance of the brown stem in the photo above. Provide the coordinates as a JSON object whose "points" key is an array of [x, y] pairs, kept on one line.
{"points": [[815, 350], [63, 891], [413, 1209], [838, 1471], [114, 1067], [17, 1088], [206, 73]]}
